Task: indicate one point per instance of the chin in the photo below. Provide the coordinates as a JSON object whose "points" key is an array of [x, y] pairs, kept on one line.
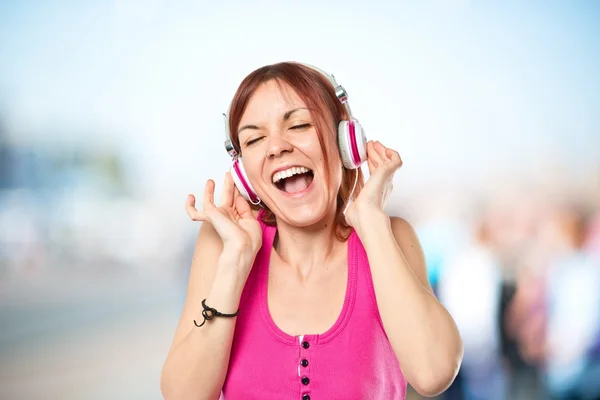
{"points": [[304, 217], [301, 205]]}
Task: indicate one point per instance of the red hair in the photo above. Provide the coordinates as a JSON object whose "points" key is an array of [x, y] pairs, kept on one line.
{"points": [[326, 110]]}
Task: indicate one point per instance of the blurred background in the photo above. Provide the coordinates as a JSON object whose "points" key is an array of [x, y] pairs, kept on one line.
{"points": [[110, 114]]}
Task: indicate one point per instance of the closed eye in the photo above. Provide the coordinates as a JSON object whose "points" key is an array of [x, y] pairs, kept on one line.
{"points": [[249, 142], [302, 126]]}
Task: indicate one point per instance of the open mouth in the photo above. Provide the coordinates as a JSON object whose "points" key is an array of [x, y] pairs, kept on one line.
{"points": [[293, 180]]}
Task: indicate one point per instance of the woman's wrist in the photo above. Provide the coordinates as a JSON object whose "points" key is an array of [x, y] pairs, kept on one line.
{"points": [[232, 271], [226, 291], [236, 258], [371, 221]]}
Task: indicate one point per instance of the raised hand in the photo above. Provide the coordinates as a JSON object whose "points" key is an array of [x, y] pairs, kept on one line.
{"points": [[232, 219], [383, 163]]}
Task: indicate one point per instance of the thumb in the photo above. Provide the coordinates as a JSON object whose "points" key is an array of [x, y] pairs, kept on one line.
{"points": [[243, 208]]}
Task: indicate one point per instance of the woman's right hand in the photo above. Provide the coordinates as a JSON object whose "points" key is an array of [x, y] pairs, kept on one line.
{"points": [[233, 220]]}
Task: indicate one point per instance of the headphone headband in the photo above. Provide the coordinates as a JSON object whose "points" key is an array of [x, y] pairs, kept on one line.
{"points": [[340, 93]]}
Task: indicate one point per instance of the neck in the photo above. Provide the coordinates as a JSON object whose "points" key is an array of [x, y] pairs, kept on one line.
{"points": [[308, 248]]}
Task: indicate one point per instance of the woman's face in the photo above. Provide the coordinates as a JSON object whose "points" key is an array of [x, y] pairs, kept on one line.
{"points": [[283, 158]]}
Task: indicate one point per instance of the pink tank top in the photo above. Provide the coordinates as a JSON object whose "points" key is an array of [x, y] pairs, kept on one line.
{"points": [[353, 360]]}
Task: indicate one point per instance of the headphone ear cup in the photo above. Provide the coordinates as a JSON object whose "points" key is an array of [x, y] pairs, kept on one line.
{"points": [[242, 182], [352, 143]]}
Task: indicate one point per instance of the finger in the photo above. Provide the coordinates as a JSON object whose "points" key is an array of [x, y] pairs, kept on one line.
{"points": [[228, 190], [192, 212], [372, 154], [222, 221], [371, 166], [370, 161], [380, 150], [209, 195], [393, 155], [190, 203], [243, 208]]}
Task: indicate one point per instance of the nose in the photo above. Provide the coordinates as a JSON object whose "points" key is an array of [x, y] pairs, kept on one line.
{"points": [[278, 147]]}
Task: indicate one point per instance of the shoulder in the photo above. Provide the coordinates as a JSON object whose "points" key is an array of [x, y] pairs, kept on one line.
{"points": [[402, 229], [408, 242], [404, 233]]}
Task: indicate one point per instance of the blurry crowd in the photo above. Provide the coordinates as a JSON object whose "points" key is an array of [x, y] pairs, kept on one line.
{"points": [[521, 277], [519, 273]]}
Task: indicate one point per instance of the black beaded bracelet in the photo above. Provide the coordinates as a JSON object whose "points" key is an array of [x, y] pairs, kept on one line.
{"points": [[209, 313]]}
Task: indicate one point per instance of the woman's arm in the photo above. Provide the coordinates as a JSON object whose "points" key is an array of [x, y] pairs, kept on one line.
{"points": [[423, 335], [197, 362]]}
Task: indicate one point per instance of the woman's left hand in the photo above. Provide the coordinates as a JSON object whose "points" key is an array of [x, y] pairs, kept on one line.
{"points": [[383, 162]]}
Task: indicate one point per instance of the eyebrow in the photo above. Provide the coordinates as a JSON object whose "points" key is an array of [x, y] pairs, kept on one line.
{"points": [[286, 116]]}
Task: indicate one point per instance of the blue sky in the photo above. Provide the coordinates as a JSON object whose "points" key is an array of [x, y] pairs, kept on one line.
{"points": [[448, 82]]}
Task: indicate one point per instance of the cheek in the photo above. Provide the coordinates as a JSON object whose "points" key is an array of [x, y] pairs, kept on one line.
{"points": [[332, 172], [336, 179], [334, 156], [311, 145], [252, 166]]}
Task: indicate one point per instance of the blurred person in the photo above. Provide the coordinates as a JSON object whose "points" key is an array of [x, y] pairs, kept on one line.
{"points": [[523, 330], [592, 243], [523, 309], [313, 290], [470, 288], [572, 360], [525, 315]]}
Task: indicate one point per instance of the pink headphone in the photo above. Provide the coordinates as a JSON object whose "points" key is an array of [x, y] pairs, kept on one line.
{"points": [[351, 142]]}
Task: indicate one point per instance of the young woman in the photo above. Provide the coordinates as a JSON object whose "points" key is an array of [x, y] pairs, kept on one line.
{"points": [[301, 287]]}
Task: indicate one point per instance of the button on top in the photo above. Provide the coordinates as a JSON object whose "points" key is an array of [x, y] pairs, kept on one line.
{"points": [[305, 381], [305, 344], [306, 397], [304, 362]]}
